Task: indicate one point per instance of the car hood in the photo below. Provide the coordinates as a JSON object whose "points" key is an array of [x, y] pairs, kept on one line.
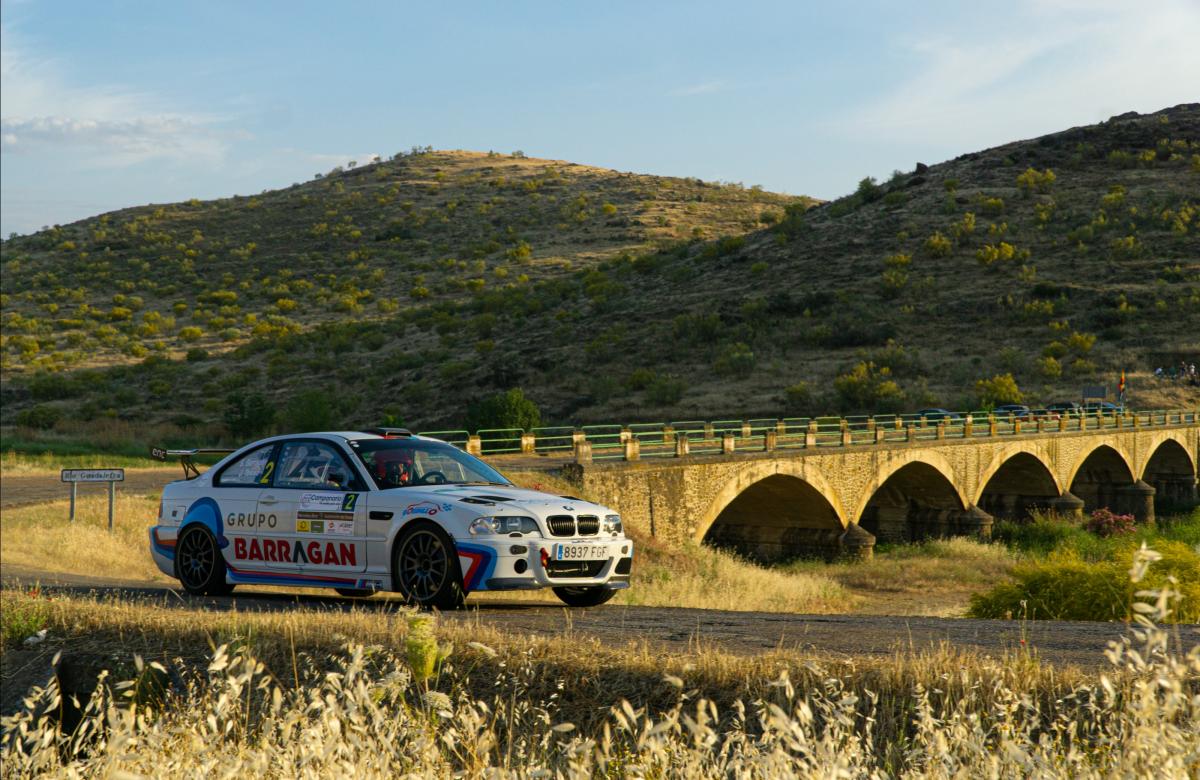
{"points": [[495, 499]]}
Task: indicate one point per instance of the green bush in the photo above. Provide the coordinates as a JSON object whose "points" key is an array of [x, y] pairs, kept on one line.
{"points": [[1040, 536], [735, 360], [1066, 586], [868, 388], [507, 410], [197, 354], [41, 416], [798, 398], [938, 245], [248, 414], [1000, 389], [665, 391], [310, 410]]}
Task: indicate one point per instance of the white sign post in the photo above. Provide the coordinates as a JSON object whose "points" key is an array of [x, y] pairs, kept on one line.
{"points": [[111, 476]]}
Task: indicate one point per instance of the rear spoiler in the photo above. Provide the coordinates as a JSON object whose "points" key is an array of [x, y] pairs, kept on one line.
{"points": [[185, 458]]}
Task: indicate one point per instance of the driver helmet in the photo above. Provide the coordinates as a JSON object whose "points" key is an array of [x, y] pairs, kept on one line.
{"points": [[398, 469]]}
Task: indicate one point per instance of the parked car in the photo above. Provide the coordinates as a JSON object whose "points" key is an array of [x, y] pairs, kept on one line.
{"points": [[1016, 411], [939, 415], [1102, 406], [386, 510], [1067, 408]]}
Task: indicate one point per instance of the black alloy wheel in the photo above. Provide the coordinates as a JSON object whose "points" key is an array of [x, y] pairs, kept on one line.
{"points": [[199, 564], [425, 566], [590, 596]]}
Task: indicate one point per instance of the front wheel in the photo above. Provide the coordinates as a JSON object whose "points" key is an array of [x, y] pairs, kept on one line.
{"points": [[199, 564], [592, 596], [425, 567]]}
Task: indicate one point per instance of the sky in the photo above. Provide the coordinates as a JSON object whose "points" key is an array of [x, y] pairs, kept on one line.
{"points": [[122, 103]]}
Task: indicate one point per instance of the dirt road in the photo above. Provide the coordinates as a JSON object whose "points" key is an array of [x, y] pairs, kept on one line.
{"points": [[674, 629]]}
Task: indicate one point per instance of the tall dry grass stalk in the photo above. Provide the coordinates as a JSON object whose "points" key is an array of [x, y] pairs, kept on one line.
{"points": [[370, 716]]}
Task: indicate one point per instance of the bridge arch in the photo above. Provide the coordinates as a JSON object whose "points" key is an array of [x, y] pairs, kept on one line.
{"points": [[1171, 471], [774, 510], [1017, 481], [914, 495], [1100, 475]]}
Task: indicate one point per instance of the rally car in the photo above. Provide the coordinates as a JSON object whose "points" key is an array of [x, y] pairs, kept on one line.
{"points": [[381, 510]]}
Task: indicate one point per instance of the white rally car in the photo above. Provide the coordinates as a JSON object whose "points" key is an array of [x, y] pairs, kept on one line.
{"points": [[381, 510]]}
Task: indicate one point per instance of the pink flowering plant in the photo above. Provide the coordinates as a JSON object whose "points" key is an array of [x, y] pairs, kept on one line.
{"points": [[1105, 523]]}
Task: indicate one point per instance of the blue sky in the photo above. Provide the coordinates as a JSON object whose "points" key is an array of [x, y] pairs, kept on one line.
{"points": [[106, 105]]}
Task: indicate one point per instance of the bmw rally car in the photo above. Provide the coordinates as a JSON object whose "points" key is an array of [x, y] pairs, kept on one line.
{"points": [[381, 510]]}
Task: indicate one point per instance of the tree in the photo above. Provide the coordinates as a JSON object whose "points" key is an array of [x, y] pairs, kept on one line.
{"points": [[1000, 389], [310, 411], [507, 410], [248, 414]]}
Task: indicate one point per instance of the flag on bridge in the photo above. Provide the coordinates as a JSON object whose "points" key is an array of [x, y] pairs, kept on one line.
{"points": [[1121, 388]]}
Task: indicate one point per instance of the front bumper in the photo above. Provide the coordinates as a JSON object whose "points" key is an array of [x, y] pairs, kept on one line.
{"points": [[507, 563]]}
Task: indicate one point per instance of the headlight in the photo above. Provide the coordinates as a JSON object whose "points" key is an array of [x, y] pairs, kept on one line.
{"points": [[503, 525], [612, 524]]}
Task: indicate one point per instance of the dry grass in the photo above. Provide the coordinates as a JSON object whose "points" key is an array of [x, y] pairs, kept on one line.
{"points": [[284, 698], [41, 537], [934, 578]]}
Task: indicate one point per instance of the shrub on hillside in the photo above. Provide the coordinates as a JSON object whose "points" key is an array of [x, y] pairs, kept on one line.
{"points": [[1032, 181], [1105, 523], [310, 410], [798, 398], [665, 391], [1000, 389], [734, 360], [41, 417], [868, 388], [938, 245], [507, 410], [248, 414]]}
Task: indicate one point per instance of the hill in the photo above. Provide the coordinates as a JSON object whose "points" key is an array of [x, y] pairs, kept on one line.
{"points": [[414, 286]]}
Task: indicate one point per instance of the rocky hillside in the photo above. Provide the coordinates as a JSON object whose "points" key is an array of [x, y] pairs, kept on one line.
{"points": [[414, 286]]}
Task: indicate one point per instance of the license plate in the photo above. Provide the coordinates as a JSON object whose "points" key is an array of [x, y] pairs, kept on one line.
{"points": [[580, 552]]}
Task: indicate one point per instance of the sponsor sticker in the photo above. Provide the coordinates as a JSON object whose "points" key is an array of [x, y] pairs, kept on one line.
{"points": [[427, 508], [340, 527], [297, 551], [334, 502]]}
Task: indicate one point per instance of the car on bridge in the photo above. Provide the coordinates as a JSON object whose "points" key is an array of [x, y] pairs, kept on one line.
{"points": [[1065, 408], [381, 510], [938, 415]]}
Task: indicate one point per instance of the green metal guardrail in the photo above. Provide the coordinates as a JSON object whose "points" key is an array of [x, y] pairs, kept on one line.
{"points": [[657, 440]]}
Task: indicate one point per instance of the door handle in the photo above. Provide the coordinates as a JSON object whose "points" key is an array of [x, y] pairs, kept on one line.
{"points": [[380, 515], [268, 500]]}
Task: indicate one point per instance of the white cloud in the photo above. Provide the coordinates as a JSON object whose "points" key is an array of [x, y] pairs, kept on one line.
{"points": [[1055, 64], [113, 125]]}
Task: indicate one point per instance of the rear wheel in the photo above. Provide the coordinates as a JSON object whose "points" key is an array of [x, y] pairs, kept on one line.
{"points": [[592, 596], [354, 593], [199, 564], [425, 567]]}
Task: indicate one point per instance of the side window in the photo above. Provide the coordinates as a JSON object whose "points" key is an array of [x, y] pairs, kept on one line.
{"points": [[251, 470], [312, 465]]}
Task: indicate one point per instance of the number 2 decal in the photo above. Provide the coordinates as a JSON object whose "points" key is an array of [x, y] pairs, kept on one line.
{"points": [[266, 477]]}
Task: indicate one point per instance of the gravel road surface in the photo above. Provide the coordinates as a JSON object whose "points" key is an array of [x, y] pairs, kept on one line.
{"points": [[673, 629]]}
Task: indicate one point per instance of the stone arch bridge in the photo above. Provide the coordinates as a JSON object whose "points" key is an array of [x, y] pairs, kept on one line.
{"points": [[773, 498]]}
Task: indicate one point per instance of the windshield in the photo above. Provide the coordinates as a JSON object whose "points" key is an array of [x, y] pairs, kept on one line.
{"points": [[394, 463]]}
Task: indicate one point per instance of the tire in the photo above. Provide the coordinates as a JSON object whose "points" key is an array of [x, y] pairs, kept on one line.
{"points": [[355, 593], [591, 596], [199, 564], [425, 568]]}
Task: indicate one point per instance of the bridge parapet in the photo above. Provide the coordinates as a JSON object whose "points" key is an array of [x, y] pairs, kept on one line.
{"points": [[779, 494]]}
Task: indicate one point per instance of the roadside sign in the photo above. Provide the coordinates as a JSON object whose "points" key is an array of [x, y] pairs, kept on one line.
{"points": [[112, 476], [93, 475]]}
